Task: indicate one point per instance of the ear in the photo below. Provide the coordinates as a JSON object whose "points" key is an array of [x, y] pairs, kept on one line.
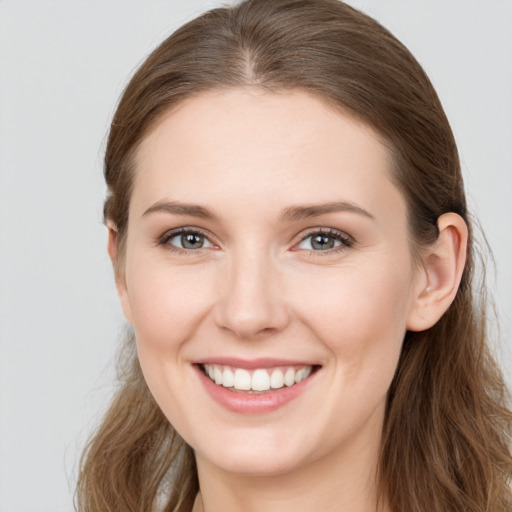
{"points": [[441, 272], [122, 291]]}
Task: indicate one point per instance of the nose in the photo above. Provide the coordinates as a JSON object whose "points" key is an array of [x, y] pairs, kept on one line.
{"points": [[251, 302]]}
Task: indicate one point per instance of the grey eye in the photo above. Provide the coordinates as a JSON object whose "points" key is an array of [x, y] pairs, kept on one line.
{"points": [[192, 241], [189, 240], [320, 242]]}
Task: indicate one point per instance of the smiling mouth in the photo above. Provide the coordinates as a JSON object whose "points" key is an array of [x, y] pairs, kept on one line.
{"points": [[259, 380]]}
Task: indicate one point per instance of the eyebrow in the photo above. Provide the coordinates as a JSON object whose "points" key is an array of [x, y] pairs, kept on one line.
{"points": [[177, 208], [303, 212], [292, 213]]}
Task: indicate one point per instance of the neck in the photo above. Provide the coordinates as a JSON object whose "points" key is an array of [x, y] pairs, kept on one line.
{"points": [[341, 481]]}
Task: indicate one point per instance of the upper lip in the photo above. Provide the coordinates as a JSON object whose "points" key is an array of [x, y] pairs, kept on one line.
{"points": [[249, 364]]}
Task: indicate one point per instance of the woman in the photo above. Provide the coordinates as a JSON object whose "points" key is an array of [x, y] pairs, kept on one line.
{"points": [[291, 244]]}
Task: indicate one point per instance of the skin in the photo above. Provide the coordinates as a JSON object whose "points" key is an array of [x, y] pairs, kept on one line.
{"points": [[257, 288]]}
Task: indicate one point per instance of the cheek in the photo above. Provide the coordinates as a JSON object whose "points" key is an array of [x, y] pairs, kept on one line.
{"points": [[360, 317], [166, 302], [360, 314], [358, 297]]}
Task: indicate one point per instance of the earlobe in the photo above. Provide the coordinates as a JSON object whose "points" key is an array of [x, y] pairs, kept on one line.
{"points": [[122, 292], [443, 264]]}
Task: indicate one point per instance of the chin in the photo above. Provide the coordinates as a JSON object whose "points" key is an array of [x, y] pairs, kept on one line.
{"points": [[257, 465], [266, 456]]}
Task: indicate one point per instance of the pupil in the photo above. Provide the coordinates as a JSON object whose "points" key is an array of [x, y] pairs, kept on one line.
{"points": [[191, 241], [323, 242]]}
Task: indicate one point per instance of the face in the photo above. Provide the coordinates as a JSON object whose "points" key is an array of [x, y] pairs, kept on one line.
{"points": [[269, 279]]}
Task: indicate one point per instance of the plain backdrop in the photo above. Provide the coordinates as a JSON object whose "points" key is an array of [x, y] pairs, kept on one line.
{"points": [[63, 65]]}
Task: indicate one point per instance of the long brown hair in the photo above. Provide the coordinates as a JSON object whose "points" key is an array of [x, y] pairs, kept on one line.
{"points": [[446, 439]]}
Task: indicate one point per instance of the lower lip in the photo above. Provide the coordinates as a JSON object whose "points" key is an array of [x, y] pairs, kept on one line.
{"points": [[245, 403]]}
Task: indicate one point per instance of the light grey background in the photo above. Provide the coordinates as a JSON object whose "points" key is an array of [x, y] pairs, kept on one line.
{"points": [[63, 65]]}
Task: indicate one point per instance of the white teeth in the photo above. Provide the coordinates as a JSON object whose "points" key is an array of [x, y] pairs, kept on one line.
{"points": [[260, 379], [289, 377], [242, 380], [299, 375], [228, 378], [217, 375], [276, 379]]}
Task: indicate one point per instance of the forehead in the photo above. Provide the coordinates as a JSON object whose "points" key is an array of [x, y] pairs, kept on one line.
{"points": [[239, 146]]}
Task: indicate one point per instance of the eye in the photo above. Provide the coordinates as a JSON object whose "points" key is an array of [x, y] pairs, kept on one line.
{"points": [[186, 240], [324, 241]]}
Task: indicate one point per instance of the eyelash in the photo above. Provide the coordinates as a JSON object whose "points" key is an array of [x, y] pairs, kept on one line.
{"points": [[345, 241], [164, 240]]}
